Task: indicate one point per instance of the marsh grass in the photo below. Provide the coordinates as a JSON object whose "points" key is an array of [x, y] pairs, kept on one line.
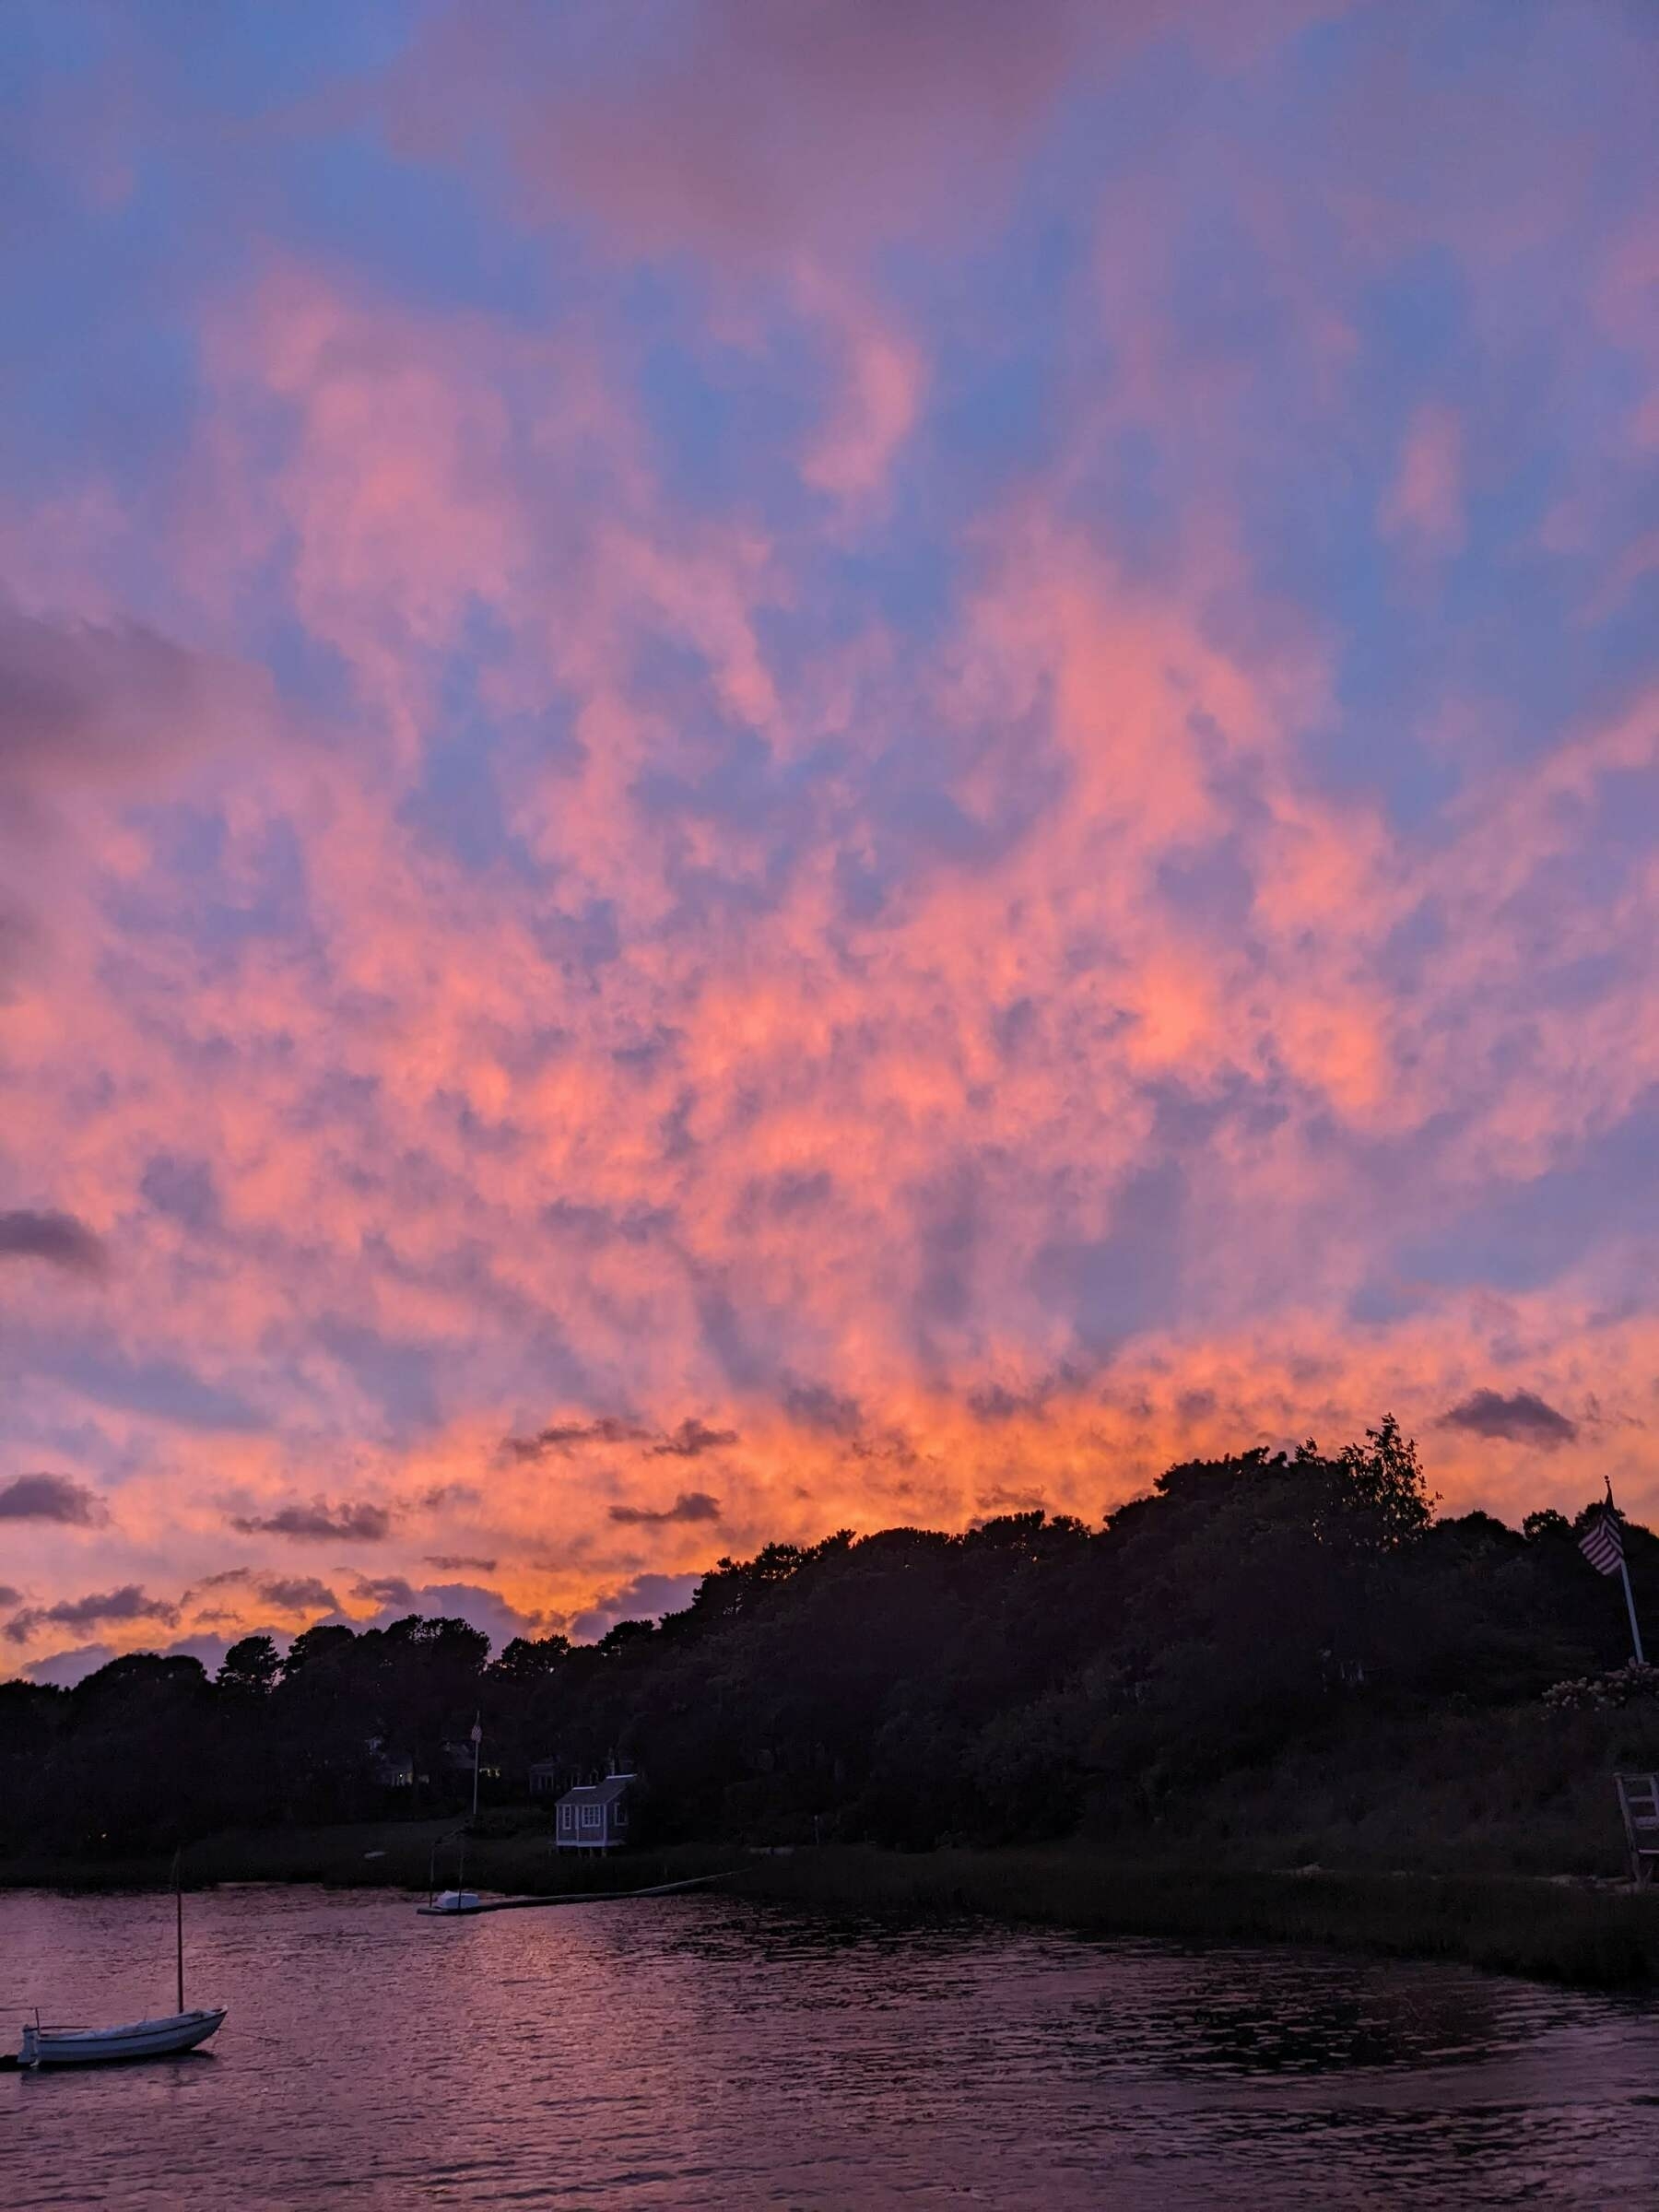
{"points": [[1592, 1935], [516, 1859]]}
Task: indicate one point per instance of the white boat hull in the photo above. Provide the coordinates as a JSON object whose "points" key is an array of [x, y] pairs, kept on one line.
{"points": [[101, 2046], [451, 1900]]}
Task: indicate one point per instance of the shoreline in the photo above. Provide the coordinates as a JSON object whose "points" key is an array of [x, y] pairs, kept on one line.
{"points": [[1579, 1932], [1585, 1933]]}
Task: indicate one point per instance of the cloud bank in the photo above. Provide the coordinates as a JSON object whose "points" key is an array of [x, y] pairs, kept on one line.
{"points": [[924, 769]]}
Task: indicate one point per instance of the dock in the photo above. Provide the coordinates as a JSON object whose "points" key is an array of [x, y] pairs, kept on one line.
{"points": [[573, 1897]]}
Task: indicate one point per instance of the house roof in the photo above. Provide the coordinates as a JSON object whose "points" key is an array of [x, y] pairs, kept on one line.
{"points": [[597, 1793]]}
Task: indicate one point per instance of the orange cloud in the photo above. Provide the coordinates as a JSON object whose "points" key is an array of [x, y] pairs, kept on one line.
{"points": [[938, 988]]}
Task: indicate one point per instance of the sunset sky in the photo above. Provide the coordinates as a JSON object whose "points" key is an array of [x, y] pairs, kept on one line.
{"points": [[776, 765]]}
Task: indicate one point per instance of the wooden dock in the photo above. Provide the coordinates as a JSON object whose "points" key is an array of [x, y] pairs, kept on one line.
{"points": [[573, 1897]]}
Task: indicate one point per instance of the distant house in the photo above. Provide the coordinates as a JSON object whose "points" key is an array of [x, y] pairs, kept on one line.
{"points": [[593, 1817], [390, 1769], [544, 1774], [458, 1757]]}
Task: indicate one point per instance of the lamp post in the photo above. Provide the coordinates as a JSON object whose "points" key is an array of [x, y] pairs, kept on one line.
{"points": [[478, 1737]]}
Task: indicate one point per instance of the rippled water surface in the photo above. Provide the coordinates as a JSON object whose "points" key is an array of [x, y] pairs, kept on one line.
{"points": [[701, 2051]]}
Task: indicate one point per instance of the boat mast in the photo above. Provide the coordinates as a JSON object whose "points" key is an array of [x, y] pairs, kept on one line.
{"points": [[179, 1924]]}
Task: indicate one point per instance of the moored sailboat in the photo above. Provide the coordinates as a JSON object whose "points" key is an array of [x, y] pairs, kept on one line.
{"points": [[48, 2045], [451, 1900], [52, 2046], [460, 1898]]}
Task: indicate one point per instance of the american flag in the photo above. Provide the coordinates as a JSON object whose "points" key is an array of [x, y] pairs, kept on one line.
{"points": [[1602, 1542]]}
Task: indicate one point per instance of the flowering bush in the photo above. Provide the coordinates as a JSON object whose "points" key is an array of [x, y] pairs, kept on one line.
{"points": [[1620, 1686]]}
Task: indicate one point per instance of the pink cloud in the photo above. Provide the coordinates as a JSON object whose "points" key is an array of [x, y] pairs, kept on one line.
{"points": [[945, 1000], [882, 384], [1425, 502]]}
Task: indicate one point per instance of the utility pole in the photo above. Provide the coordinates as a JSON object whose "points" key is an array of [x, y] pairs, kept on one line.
{"points": [[478, 1737]]}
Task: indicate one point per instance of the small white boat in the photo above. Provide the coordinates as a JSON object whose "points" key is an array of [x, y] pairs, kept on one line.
{"points": [[99, 2046], [441, 1903], [159, 2038]]}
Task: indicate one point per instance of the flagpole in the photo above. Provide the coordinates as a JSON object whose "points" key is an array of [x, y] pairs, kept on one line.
{"points": [[1624, 1576]]}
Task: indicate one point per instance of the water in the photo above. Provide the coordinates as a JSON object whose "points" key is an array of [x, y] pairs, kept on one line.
{"points": [[699, 2051]]}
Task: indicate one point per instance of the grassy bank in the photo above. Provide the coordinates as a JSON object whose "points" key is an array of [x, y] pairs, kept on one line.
{"points": [[511, 1857], [1592, 1937]]}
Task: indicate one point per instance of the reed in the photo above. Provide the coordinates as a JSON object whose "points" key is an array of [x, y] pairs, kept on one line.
{"points": [[1590, 1935], [387, 1854]]}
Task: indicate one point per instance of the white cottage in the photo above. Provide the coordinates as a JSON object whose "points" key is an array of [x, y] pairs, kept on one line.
{"points": [[593, 1817]]}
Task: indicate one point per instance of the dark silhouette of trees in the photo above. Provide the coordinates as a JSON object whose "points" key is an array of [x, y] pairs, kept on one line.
{"points": [[1026, 1677], [530, 1659], [251, 1667]]}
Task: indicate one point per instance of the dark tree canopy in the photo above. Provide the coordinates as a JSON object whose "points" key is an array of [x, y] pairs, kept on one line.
{"points": [[251, 1666], [1025, 1677], [528, 1659]]}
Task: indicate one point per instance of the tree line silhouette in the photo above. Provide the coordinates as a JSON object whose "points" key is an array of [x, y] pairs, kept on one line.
{"points": [[1260, 1629]]}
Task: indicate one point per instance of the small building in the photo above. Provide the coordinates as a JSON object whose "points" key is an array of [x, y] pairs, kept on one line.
{"points": [[458, 1757], [545, 1776], [390, 1769], [594, 1816]]}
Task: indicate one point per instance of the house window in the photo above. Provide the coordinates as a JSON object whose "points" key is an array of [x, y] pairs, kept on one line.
{"points": [[592, 1816], [567, 1816], [619, 1812]]}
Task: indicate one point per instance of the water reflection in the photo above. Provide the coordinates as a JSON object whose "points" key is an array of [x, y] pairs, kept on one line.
{"points": [[701, 2051], [1270, 2013]]}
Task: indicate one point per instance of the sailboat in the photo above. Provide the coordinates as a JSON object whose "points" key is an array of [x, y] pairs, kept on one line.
{"points": [[460, 1898], [451, 1900], [173, 2031]]}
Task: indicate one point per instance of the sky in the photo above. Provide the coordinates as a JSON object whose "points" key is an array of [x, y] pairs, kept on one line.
{"points": [[771, 768]]}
